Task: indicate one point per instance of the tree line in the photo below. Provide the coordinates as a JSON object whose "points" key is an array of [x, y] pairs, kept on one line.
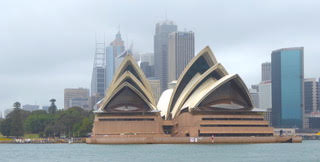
{"points": [[73, 122]]}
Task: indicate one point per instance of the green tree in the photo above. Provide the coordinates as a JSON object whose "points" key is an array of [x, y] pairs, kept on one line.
{"points": [[17, 105], [13, 124], [53, 108], [5, 127], [85, 128], [67, 122], [16, 125], [37, 121]]}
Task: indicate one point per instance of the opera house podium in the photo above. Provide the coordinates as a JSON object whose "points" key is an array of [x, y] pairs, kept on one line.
{"points": [[207, 105], [129, 106]]}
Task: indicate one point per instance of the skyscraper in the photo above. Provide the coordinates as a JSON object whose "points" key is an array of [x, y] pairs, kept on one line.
{"points": [[266, 71], [98, 80], [255, 97], [147, 69], [287, 87], [118, 48], [155, 86], [147, 57], [181, 51], [98, 84], [318, 94], [162, 31], [265, 95], [113, 52], [310, 95], [109, 65]]}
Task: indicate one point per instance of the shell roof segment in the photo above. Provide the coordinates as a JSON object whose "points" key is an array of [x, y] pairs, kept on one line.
{"points": [[216, 72], [199, 64], [127, 98], [199, 86], [228, 93], [131, 78], [129, 64]]}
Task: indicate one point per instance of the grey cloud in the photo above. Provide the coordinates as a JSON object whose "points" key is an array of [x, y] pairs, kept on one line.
{"points": [[46, 46]]}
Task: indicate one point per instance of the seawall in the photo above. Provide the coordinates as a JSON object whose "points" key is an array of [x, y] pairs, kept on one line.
{"points": [[192, 140]]}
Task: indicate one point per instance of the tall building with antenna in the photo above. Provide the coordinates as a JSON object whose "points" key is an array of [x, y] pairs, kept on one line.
{"points": [[113, 53], [161, 38], [98, 80]]}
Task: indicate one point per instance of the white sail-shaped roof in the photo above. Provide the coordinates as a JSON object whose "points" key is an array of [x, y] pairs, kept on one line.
{"points": [[198, 65], [233, 94], [129, 64], [214, 73], [163, 102], [129, 90], [205, 85]]}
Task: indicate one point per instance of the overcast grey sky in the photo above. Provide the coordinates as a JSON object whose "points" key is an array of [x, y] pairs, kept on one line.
{"points": [[46, 46]]}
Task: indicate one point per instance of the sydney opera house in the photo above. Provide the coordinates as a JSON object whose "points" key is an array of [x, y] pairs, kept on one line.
{"points": [[207, 105]]}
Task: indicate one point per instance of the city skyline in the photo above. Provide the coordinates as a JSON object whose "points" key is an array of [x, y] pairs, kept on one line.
{"points": [[43, 63]]}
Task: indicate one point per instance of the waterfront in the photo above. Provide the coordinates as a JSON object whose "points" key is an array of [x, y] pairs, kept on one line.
{"points": [[306, 151]]}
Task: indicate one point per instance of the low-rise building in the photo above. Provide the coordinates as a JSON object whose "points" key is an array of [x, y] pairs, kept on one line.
{"points": [[30, 108], [45, 108], [76, 97]]}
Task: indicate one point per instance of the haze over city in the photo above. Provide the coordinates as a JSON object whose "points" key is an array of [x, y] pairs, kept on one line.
{"points": [[50, 46]]}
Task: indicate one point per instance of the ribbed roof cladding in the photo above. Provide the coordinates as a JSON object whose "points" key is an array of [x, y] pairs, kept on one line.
{"points": [[129, 90], [200, 79]]}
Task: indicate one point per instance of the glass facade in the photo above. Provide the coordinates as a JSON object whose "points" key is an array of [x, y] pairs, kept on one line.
{"points": [[318, 95], [101, 82], [109, 65], [98, 82], [287, 87], [308, 102], [161, 37], [310, 95]]}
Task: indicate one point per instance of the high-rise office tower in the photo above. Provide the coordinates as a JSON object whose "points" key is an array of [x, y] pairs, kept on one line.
{"points": [[287, 87], [109, 65], [98, 80], [318, 95], [155, 86], [310, 95], [266, 71], [118, 48], [147, 64], [147, 57], [265, 95], [162, 31], [147, 69], [113, 52], [98, 86], [181, 51], [255, 97], [76, 97]]}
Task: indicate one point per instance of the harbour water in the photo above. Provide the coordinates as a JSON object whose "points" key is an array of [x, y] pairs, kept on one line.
{"points": [[307, 151]]}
